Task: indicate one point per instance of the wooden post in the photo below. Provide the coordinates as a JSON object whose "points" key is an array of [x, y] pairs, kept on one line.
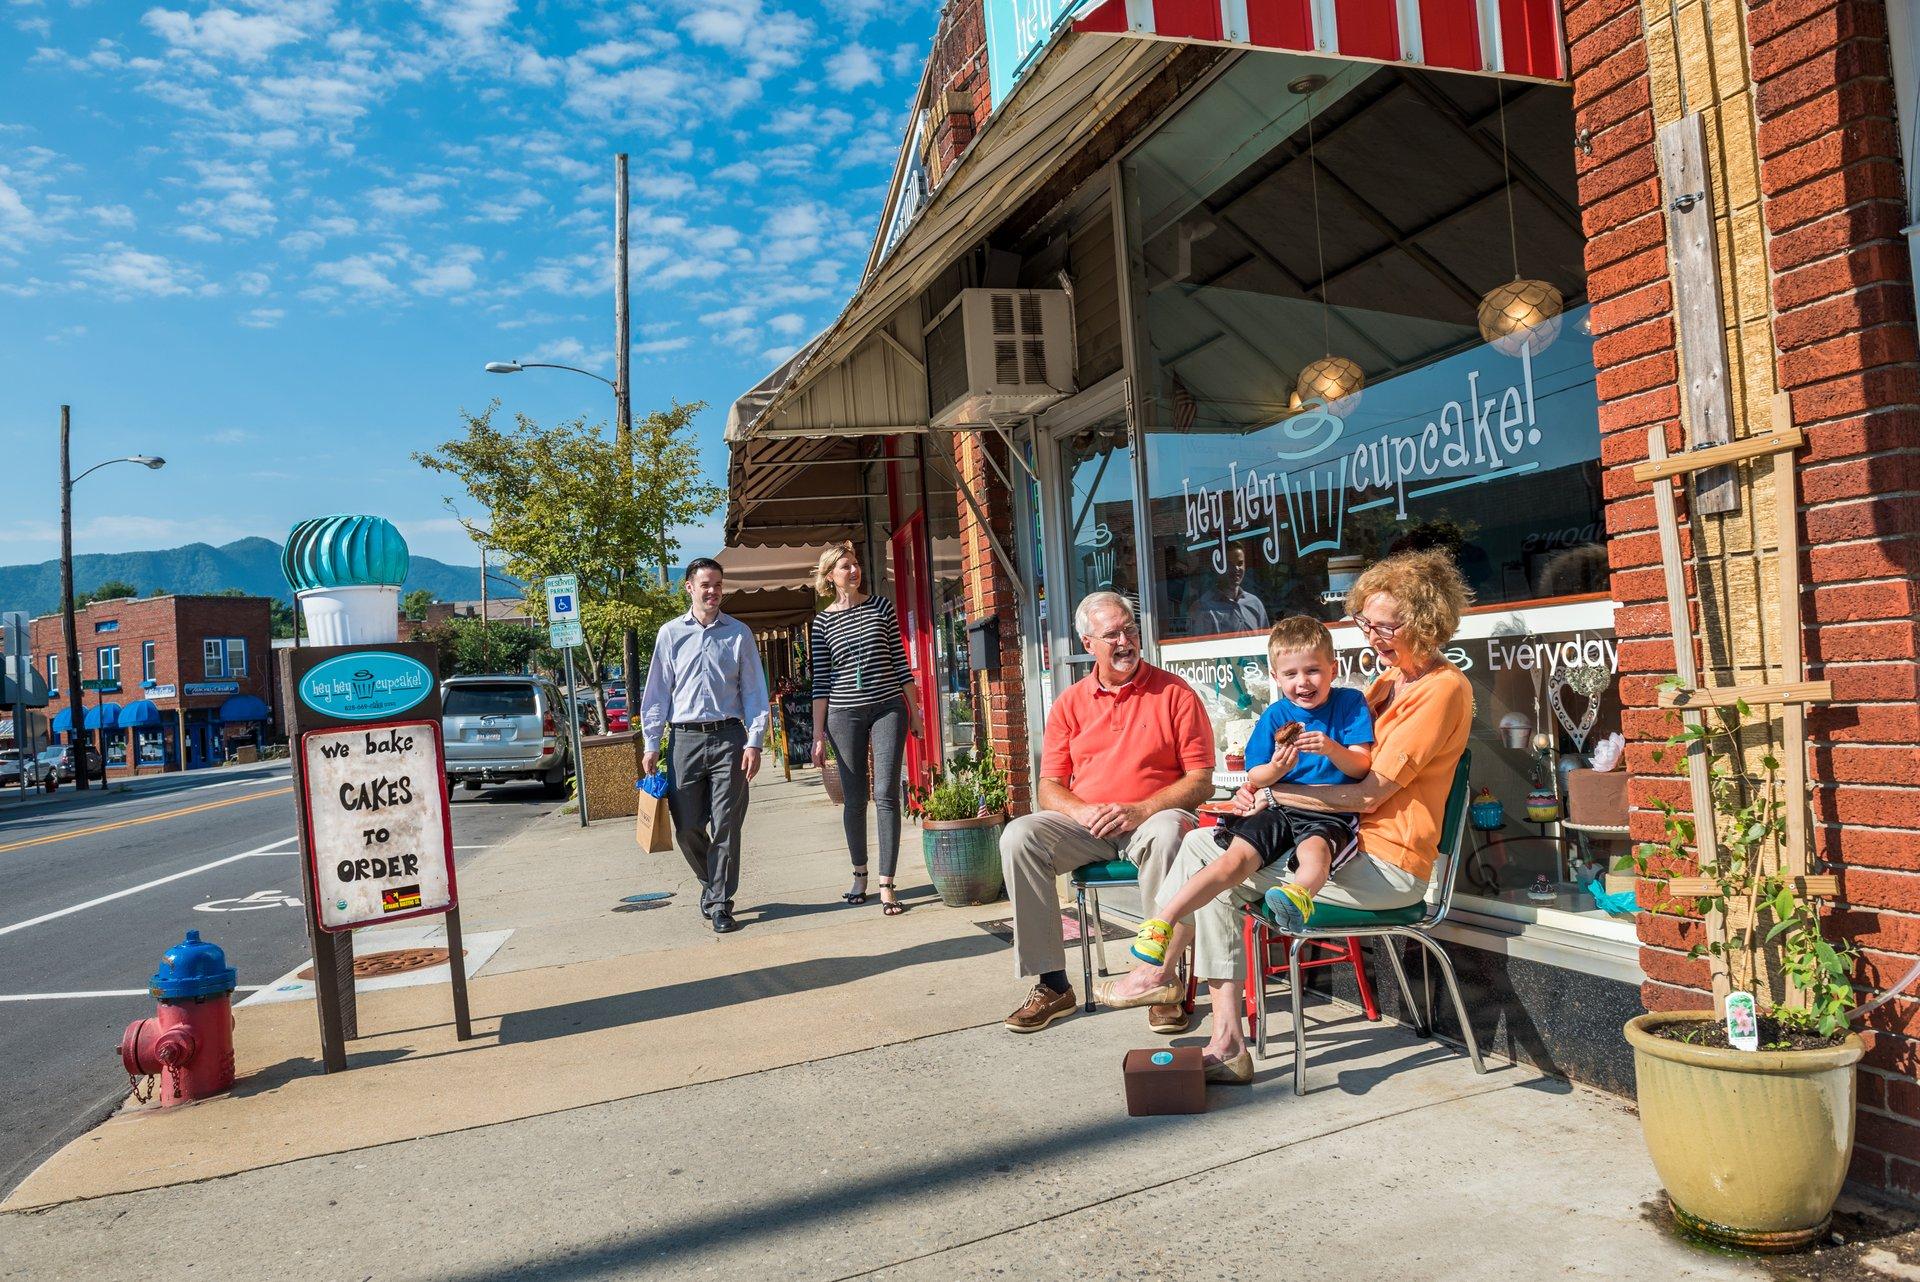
{"points": [[1698, 318]]}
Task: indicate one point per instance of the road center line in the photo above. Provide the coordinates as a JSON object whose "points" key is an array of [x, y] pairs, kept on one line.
{"points": [[145, 885], [52, 837]]}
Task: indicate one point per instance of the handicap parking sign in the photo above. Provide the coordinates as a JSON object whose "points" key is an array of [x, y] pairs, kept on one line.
{"points": [[563, 605]]}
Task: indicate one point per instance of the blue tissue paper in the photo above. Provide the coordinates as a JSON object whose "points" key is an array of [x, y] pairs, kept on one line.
{"points": [[653, 785], [1621, 905]]}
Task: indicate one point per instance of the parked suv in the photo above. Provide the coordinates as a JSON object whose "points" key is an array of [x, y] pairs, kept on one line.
{"points": [[61, 759], [40, 772], [505, 727]]}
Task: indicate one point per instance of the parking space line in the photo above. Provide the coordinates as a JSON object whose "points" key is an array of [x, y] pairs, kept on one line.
{"points": [[51, 837], [105, 992], [145, 885]]}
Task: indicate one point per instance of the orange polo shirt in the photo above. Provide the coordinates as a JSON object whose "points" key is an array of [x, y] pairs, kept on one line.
{"points": [[1124, 745], [1419, 732]]}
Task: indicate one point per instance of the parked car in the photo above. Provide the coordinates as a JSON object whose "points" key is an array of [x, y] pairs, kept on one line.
{"points": [[617, 713], [40, 772], [61, 758], [499, 728]]}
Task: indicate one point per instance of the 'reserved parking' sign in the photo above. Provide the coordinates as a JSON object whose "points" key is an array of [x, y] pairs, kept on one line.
{"points": [[378, 829]]}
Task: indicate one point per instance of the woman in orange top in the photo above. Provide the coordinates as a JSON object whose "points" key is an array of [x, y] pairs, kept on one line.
{"points": [[1407, 607]]}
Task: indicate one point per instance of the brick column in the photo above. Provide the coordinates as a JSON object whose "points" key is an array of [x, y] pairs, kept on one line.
{"points": [[990, 593], [1830, 170]]}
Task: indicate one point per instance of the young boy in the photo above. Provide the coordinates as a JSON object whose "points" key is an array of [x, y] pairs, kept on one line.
{"points": [[1313, 732]]}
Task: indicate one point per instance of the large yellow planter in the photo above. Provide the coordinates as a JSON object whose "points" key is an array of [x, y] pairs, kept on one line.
{"points": [[1752, 1145]]}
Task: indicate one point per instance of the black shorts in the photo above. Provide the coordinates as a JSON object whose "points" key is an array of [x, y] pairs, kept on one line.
{"points": [[1276, 830]]}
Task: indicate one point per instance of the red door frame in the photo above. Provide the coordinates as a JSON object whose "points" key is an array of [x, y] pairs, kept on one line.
{"points": [[913, 606]]}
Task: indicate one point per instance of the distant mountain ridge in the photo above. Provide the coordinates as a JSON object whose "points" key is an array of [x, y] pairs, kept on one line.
{"points": [[252, 565]]}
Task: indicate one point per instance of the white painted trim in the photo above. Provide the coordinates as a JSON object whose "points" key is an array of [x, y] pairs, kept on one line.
{"points": [[1519, 621], [1493, 56], [1412, 44], [1140, 17], [1326, 25], [1234, 26], [1565, 942]]}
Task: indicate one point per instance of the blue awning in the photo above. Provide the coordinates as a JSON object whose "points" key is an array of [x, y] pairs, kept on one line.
{"points": [[62, 721], [139, 714], [102, 716], [245, 707]]}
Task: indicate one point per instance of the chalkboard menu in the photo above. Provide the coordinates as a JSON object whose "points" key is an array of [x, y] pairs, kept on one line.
{"points": [[796, 714]]}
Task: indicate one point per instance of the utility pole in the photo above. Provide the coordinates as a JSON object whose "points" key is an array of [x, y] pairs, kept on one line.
{"points": [[623, 392], [484, 621], [75, 712]]}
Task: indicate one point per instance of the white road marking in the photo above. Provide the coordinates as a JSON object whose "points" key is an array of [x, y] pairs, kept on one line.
{"points": [[258, 899], [145, 885], [105, 992]]}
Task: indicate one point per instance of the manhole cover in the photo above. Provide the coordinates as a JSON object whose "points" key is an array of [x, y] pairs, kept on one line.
{"points": [[396, 961], [648, 897]]}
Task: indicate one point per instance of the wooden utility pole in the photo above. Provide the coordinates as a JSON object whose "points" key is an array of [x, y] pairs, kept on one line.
{"points": [[75, 712], [623, 401]]}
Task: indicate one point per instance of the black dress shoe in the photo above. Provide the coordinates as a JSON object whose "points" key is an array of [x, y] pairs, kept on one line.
{"points": [[723, 921]]}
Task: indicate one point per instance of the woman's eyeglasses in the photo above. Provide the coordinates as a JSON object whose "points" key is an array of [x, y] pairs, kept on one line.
{"points": [[1384, 631]]}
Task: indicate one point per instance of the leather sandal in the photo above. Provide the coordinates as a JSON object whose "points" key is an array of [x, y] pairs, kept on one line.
{"points": [[858, 896], [890, 907]]}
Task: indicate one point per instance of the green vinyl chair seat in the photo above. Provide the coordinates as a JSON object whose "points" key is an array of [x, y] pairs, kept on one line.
{"points": [[1106, 872], [1338, 917]]}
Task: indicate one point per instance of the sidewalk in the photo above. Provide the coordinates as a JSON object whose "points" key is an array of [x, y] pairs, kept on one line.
{"points": [[823, 1094]]}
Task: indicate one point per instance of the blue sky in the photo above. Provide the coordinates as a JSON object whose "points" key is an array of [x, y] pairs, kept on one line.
{"points": [[276, 240]]}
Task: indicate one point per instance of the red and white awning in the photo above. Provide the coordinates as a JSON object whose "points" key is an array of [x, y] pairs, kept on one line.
{"points": [[1508, 37]]}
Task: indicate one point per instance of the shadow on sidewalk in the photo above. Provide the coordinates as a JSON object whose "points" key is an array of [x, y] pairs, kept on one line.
{"points": [[729, 990]]}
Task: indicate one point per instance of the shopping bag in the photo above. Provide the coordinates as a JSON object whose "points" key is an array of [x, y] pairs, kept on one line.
{"points": [[653, 823]]}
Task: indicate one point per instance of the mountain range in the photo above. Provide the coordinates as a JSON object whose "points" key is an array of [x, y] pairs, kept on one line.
{"points": [[252, 565]]}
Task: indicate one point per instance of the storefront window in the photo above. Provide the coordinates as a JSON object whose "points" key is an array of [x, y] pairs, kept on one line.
{"points": [[1310, 245]]}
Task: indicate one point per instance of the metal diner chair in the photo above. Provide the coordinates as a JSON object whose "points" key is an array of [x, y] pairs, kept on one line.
{"points": [[1415, 922], [1088, 880]]}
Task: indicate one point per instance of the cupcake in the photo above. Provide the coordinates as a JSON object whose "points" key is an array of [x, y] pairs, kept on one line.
{"points": [[346, 572]]}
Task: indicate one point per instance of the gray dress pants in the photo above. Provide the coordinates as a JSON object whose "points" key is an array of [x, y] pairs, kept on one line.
{"points": [[709, 802], [1036, 849]]}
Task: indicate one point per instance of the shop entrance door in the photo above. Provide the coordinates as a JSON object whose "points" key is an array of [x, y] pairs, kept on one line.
{"points": [[1097, 547], [914, 608]]}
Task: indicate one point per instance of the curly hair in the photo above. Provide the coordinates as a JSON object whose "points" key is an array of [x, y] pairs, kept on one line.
{"points": [[823, 572], [1428, 587]]}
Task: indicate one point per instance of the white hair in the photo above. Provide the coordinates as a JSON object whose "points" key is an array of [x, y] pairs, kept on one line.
{"points": [[1083, 615]]}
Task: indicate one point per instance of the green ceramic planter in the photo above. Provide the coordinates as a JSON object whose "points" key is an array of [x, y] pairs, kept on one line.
{"points": [[963, 859]]}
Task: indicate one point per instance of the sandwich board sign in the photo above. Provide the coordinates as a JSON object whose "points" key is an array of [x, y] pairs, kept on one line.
{"points": [[378, 829]]}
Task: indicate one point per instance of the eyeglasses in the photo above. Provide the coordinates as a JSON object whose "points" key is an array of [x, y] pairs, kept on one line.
{"points": [[1131, 632], [1384, 631]]}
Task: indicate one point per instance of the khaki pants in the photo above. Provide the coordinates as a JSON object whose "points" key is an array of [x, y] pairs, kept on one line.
{"points": [[1362, 882], [1036, 849]]}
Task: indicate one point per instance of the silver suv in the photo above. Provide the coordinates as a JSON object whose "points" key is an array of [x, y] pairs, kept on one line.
{"points": [[505, 727]]}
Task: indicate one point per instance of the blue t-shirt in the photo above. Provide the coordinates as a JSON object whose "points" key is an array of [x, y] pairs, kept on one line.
{"points": [[1344, 718]]}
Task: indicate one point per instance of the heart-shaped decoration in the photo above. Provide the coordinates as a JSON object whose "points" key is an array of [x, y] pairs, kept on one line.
{"points": [[1590, 681]]}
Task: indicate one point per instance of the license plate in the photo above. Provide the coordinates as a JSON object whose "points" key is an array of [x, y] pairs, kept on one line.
{"points": [[487, 736]]}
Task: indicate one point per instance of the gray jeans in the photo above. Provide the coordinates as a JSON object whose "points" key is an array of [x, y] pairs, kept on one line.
{"points": [[850, 731], [709, 802]]}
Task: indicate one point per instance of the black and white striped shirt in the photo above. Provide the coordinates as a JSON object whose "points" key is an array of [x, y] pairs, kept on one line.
{"points": [[858, 659]]}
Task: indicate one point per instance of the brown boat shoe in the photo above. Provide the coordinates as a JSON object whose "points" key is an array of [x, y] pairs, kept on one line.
{"points": [[1042, 1007], [1169, 1019]]}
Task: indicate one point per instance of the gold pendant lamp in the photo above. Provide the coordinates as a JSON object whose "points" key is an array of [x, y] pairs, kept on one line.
{"points": [[1332, 381], [1522, 314]]}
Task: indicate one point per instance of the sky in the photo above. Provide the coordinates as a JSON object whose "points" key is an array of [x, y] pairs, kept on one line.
{"points": [[276, 241]]}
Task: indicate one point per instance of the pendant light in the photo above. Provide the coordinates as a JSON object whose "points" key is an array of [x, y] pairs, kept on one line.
{"points": [[1522, 314], [1334, 381]]}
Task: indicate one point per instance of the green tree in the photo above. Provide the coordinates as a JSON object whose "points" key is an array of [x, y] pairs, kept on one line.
{"points": [[414, 604], [561, 500], [469, 649], [282, 619], [107, 591]]}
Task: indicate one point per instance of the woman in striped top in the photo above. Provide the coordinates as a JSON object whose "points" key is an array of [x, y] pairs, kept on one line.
{"points": [[862, 694]]}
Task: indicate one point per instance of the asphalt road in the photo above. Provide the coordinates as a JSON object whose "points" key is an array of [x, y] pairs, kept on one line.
{"points": [[94, 889]]}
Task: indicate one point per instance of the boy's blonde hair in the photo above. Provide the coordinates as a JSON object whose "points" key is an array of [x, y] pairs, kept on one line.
{"points": [[1299, 632]]}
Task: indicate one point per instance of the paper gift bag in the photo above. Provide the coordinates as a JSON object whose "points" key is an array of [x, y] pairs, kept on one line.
{"points": [[653, 827]]}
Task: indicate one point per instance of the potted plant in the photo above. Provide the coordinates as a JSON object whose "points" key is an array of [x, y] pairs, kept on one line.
{"points": [[1751, 1144], [961, 813]]}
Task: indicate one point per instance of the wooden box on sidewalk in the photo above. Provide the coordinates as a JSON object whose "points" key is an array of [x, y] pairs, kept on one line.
{"points": [[1169, 1080]]}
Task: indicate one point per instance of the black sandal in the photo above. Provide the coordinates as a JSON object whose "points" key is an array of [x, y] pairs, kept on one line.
{"points": [[891, 907], [857, 896]]}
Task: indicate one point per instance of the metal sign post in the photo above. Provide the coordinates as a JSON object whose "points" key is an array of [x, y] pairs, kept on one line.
{"points": [[564, 633], [17, 647], [376, 837]]}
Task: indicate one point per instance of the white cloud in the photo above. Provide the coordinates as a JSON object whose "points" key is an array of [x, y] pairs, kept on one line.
{"points": [[222, 33], [262, 317], [122, 271], [661, 186], [852, 67], [253, 284], [787, 323], [362, 273], [453, 274], [115, 216], [660, 346], [731, 317], [740, 171], [401, 203]]}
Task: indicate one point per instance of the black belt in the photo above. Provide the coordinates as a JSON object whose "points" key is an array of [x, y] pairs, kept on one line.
{"points": [[706, 727]]}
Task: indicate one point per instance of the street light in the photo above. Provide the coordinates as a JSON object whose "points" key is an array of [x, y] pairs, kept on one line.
{"points": [[514, 367], [75, 706]]}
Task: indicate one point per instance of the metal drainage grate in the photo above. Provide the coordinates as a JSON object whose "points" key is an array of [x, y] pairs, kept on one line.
{"points": [[397, 961]]}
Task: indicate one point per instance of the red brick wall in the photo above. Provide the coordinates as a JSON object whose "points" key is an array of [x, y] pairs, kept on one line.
{"points": [[959, 87], [1831, 179], [1841, 288], [990, 593]]}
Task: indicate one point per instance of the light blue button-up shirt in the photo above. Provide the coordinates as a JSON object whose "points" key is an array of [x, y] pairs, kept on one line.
{"points": [[703, 672]]}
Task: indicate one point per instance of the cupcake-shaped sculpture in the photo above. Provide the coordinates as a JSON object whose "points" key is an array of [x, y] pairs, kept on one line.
{"points": [[346, 572]]}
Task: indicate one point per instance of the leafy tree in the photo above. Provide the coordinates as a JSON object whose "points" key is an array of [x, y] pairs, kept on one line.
{"points": [[282, 619], [467, 648], [561, 500], [414, 604], [105, 592]]}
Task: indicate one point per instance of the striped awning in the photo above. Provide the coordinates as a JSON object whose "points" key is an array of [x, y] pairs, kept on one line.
{"points": [[1510, 37]]}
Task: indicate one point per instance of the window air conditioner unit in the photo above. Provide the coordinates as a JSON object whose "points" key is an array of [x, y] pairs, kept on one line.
{"points": [[999, 353]]}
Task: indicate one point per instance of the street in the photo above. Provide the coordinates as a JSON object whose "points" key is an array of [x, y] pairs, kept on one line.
{"points": [[99, 886]]}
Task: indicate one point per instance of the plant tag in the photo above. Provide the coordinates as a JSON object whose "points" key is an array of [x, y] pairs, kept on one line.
{"points": [[1743, 1022]]}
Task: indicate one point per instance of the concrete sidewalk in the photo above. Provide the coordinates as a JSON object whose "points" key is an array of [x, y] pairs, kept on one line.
{"points": [[824, 1094]]}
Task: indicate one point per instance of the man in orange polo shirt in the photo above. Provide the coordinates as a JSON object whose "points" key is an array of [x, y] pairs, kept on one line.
{"points": [[1128, 755]]}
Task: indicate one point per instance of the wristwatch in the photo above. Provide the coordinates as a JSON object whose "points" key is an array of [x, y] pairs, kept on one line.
{"points": [[1267, 795]]}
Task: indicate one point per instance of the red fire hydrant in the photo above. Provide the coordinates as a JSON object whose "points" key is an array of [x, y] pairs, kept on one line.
{"points": [[188, 1044]]}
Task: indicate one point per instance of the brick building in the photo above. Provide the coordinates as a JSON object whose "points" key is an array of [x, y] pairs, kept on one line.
{"points": [[190, 678], [1286, 255]]}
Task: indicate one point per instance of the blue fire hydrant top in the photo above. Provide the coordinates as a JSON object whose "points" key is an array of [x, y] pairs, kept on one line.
{"points": [[192, 968]]}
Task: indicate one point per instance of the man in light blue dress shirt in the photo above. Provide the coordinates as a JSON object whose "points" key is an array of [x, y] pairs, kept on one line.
{"points": [[706, 683]]}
